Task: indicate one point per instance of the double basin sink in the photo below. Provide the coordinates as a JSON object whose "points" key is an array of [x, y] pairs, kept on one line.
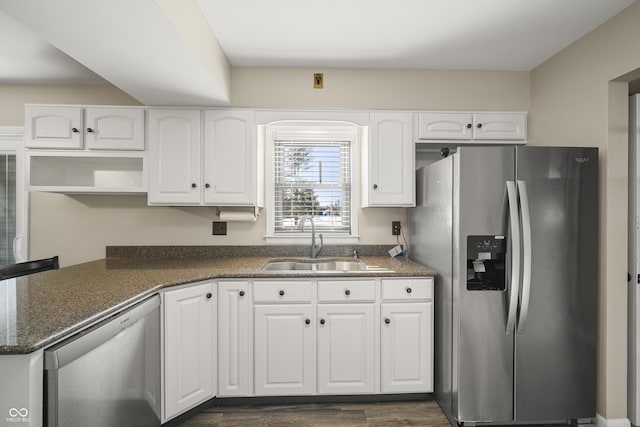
{"points": [[325, 266]]}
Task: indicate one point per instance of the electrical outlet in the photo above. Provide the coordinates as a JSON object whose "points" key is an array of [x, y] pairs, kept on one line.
{"points": [[318, 80], [219, 228], [395, 228]]}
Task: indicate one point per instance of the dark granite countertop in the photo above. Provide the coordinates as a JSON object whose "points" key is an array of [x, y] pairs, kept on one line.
{"points": [[52, 305]]}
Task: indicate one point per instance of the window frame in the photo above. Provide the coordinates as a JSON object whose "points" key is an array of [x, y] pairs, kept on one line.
{"points": [[311, 131]]}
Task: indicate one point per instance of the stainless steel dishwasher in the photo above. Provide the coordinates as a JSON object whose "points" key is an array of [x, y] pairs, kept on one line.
{"points": [[108, 375]]}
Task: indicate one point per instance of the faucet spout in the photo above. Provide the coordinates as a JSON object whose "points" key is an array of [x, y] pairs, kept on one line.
{"points": [[315, 251]]}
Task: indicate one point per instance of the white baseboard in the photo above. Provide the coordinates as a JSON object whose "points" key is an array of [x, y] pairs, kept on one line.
{"points": [[617, 422]]}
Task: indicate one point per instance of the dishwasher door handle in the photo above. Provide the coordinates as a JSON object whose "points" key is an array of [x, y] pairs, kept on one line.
{"points": [[69, 350]]}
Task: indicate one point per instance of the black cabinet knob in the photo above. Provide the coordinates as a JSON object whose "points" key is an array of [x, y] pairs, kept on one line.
{"points": [[387, 320], [209, 295], [479, 125], [241, 293], [375, 186], [193, 185], [74, 130], [207, 185], [408, 290], [89, 130], [347, 292], [281, 293], [468, 125], [307, 322], [322, 321]]}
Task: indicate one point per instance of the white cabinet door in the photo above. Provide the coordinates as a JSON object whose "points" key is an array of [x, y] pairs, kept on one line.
{"points": [[389, 167], [53, 127], [346, 348], [114, 128], [234, 338], [189, 356], [174, 157], [283, 349], [445, 126], [500, 126], [406, 347], [229, 158]]}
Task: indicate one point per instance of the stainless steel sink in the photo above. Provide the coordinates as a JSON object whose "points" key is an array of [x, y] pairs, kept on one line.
{"points": [[288, 266], [311, 266], [341, 266]]}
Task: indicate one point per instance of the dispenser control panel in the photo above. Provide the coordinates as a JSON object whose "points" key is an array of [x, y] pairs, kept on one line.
{"points": [[486, 263]]}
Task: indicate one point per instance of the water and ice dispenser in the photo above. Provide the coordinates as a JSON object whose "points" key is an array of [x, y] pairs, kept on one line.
{"points": [[486, 263]]}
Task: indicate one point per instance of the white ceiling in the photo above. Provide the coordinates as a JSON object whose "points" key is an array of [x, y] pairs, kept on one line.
{"points": [[515, 35], [133, 45]]}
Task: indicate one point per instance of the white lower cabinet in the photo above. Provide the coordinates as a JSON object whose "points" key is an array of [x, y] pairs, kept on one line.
{"points": [[346, 348], [406, 335], [294, 337], [406, 355], [189, 347], [234, 338], [283, 350]]}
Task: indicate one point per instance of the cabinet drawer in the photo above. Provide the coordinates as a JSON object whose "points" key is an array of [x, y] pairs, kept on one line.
{"points": [[407, 289], [282, 291], [346, 291]]}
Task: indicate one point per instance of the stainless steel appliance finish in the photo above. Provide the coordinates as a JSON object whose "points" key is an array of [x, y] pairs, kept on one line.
{"points": [[109, 375], [512, 234]]}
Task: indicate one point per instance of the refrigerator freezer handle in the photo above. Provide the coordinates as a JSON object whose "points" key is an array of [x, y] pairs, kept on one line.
{"points": [[514, 286], [526, 249]]}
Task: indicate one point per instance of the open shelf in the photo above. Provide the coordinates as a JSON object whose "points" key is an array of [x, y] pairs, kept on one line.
{"points": [[71, 173]]}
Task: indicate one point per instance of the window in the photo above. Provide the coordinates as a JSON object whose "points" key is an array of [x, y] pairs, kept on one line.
{"points": [[13, 206], [312, 169], [7, 207]]}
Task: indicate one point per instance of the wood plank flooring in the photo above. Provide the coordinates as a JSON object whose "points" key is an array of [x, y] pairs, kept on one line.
{"points": [[379, 414]]}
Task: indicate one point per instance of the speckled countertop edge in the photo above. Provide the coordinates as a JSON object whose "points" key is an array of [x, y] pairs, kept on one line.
{"points": [[53, 305]]}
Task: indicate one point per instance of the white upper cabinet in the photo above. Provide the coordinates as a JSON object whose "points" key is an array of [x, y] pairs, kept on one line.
{"points": [[493, 127], [53, 127], [389, 161], [92, 150], [73, 127], [203, 159], [500, 126], [114, 128], [174, 157], [230, 172], [445, 126]]}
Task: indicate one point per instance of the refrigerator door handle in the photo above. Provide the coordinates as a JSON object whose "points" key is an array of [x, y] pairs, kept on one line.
{"points": [[526, 249], [512, 311]]}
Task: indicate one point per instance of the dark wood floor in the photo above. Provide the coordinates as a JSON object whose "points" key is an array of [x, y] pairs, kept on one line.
{"points": [[379, 414]]}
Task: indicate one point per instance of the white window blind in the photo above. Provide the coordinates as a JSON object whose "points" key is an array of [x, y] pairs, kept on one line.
{"points": [[7, 207], [312, 178]]}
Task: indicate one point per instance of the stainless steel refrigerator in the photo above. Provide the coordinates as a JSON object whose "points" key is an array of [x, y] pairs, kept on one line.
{"points": [[513, 234]]}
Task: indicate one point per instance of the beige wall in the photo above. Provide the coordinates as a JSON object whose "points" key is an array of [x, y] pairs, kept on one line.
{"points": [[575, 102], [380, 89], [13, 98], [78, 228]]}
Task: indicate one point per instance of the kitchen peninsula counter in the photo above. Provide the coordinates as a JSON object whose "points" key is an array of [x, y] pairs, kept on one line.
{"points": [[53, 305]]}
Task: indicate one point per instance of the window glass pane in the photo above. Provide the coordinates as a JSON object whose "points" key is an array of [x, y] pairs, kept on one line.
{"points": [[312, 179], [7, 207]]}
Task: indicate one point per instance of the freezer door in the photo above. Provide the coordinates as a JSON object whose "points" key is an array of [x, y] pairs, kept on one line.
{"points": [[556, 344], [482, 348]]}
